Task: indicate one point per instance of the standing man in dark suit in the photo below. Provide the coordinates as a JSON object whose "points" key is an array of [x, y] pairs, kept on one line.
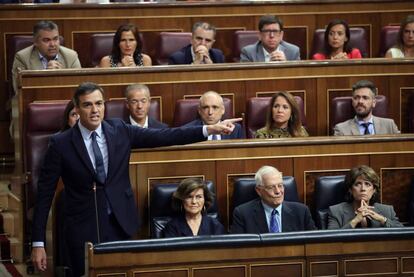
{"points": [[270, 46], [270, 213], [138, 102], [92, 159], [211, 110], [200, 50]]}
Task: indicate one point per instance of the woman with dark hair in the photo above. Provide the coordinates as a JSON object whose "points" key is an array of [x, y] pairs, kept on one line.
{"points": [[191, 200], [336, 43], [362, 209], [405, 40], [282, 118], [126, 49], [70, 116]]}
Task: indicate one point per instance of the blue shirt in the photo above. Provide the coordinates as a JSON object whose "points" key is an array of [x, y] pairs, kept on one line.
{"points": [[268, 212]]}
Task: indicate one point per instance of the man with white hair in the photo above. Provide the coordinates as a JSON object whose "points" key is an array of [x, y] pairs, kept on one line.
{"points": [[270, 213]]}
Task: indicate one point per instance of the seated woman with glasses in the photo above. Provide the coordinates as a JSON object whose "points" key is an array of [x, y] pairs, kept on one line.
{"points": [[192, 199], [405, 40], [362, 210], [336, 43], [283, 118], [126, 49]]}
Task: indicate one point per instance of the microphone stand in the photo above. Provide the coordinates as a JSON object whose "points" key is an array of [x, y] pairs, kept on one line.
{"points": [[96, 211]]}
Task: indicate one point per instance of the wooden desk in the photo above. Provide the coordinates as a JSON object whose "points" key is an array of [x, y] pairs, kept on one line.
{"points": [[321, 253], [303, 158], [316, 82]]}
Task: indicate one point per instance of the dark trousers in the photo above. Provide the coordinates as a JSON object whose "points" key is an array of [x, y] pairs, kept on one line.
{"points": [[110, 230]]}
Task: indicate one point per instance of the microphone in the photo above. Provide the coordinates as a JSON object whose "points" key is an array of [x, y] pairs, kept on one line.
{"points": [[96, 211]]}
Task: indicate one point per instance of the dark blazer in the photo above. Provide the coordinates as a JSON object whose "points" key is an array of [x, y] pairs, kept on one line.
{"points": [[250, 218], [237, 132], [341, 214], [67, 158], [178, 227], [152, 123], [183, 56]]}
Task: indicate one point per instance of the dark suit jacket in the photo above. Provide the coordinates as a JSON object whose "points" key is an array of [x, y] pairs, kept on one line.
{"points": [[183, 56], [341, 214], [152, 123], [67, 158], [237, 132], [178, 227], [250, 218]]}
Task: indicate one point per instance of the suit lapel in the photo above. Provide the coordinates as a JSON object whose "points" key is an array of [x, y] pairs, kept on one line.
{"points": [[110, 138], [378, 127], [187, 55], [354, 128], [260, 218], [35, 60], [288, 218], [259, 52], [80, 148]]}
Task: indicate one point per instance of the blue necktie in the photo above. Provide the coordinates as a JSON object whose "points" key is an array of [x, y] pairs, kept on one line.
{"points": [[214, 137], [366, 125], [274, 225], [99, 163]]}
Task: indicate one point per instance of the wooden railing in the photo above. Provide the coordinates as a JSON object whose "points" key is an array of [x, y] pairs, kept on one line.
{"points": [[374, 252], [78, 22]]}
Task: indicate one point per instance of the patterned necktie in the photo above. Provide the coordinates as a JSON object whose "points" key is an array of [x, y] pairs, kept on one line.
{"points": [[99, 163], [274, 225], [366, 126]]}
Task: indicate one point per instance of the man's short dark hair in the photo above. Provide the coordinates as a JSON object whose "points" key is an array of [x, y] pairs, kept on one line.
{"points": [[84, 89], [270, 19], [365, 84], [44, 25], [205, 26]]}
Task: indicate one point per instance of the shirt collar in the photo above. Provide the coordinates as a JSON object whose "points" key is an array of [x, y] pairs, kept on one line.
{"points": [[360, 122], [269, 209], [86, 133], [41, 57], [133, 122], [267, 54]]}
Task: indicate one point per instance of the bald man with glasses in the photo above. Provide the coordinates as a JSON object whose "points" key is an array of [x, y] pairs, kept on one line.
{"points": [[270, 46]]}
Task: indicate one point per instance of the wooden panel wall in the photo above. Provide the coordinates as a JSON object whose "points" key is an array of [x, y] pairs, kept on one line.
{"points": [[316, 82], [305, 159], [77, 22]]}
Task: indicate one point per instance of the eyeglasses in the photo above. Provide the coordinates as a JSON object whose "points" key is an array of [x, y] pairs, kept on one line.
{"points": [[273, 187], [268, 32], [408, 32]]}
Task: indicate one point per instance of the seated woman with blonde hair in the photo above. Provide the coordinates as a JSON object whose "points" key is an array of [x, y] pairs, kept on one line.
{"points": [[405, 40], [362, 209], [282, 118], [192, 199], [336, 43], [126, 49]]}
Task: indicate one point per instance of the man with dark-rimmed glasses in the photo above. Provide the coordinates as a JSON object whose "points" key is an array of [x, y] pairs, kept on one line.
{"points": [[270, 46]]}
